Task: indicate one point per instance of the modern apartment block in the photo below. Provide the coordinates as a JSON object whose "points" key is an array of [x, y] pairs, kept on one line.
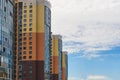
{"points": [[6, 38], [33, 40], [64, 66], [56, 58]]}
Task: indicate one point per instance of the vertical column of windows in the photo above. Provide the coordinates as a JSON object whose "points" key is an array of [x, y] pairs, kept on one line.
{"points": [[24, 30], [27, 41], [27, 29], [30, 30], [20, 4]]}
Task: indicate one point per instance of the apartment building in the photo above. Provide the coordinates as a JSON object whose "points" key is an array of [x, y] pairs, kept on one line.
{"points": [[33, 40]]}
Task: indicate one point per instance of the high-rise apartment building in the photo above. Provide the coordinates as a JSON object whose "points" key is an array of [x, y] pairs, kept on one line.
{"points": [[64, 66], [33, 40], [6, 38], [56, 58]]}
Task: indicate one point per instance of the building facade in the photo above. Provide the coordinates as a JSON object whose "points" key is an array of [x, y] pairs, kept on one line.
{"points": [[33, 40], [6, 38], [64, 66], [56, 58]]}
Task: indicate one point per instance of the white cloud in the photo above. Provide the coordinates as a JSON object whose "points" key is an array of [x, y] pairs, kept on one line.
{"points": [[73, 78], [90, 77], [89, 26], [97, 77]]}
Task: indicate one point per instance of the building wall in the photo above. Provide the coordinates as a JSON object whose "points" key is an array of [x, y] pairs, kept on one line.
{"points": [[64, 66], [35, 27], [56, 57], [6, 39]]}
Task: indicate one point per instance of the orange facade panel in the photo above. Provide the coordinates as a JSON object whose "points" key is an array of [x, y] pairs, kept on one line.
{"points": [[64, 66], [55, 67], [40, 46], [29, 43], [64, 74]]}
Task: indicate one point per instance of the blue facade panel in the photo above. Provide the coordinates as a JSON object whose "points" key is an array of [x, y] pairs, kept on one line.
{"points": [[6, 37]]}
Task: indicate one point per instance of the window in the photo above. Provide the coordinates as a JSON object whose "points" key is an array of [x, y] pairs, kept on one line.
{"points": [[30, 15], [30, 43], [24, 52], [4, 49], [25, 25], [30, 24], [30, 29], [24, 38], [24, 48], [25, 7], [30, 62], [24, 43], [25, 16], [30, 38], [25, 29], [25, 20], [30, 47], [24, 34], [30, 34], [24, 71], [30, 67], [30, 6], [25, 11], [30, 52], [24, 57], [4, 9], [30, 57], [30, 11], [11, 14], [30, 20]]}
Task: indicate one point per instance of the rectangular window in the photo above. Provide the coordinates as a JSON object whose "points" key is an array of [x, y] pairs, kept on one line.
{"points": [[30, 52], [25, 16], [4, 9], [24, 48], [24, 52], [30, 43], [25, 7], [25, 38], [25, 25], [30, 47], [30, 38], [30, 15], [25, 29], [30, 11], [30, 24], [30, 29], [30, 6], [24, 34], [25, 11], [24, 57], [25, 20], [30, 57], [30, 34], [24, 43], [30, 20]]}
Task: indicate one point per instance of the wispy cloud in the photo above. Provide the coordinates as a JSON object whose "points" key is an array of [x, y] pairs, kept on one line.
{"points": [[90, 77], [87, 26], [97, 77], [74, 78]]}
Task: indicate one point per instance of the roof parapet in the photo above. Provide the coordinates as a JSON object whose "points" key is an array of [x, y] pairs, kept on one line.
{"points": [[44, 2]]}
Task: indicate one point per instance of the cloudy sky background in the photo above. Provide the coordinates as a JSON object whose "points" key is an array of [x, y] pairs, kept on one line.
{"points": [[91, 32]]}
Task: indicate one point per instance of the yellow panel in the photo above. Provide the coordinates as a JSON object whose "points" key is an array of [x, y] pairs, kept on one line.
{"points": [[63, 60], [27, 18], [40, 18], [16, 1], [55, 46]]}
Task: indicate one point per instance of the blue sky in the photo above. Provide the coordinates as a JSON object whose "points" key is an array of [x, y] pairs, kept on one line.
{"points": [[107, 65], [91, 35]]}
